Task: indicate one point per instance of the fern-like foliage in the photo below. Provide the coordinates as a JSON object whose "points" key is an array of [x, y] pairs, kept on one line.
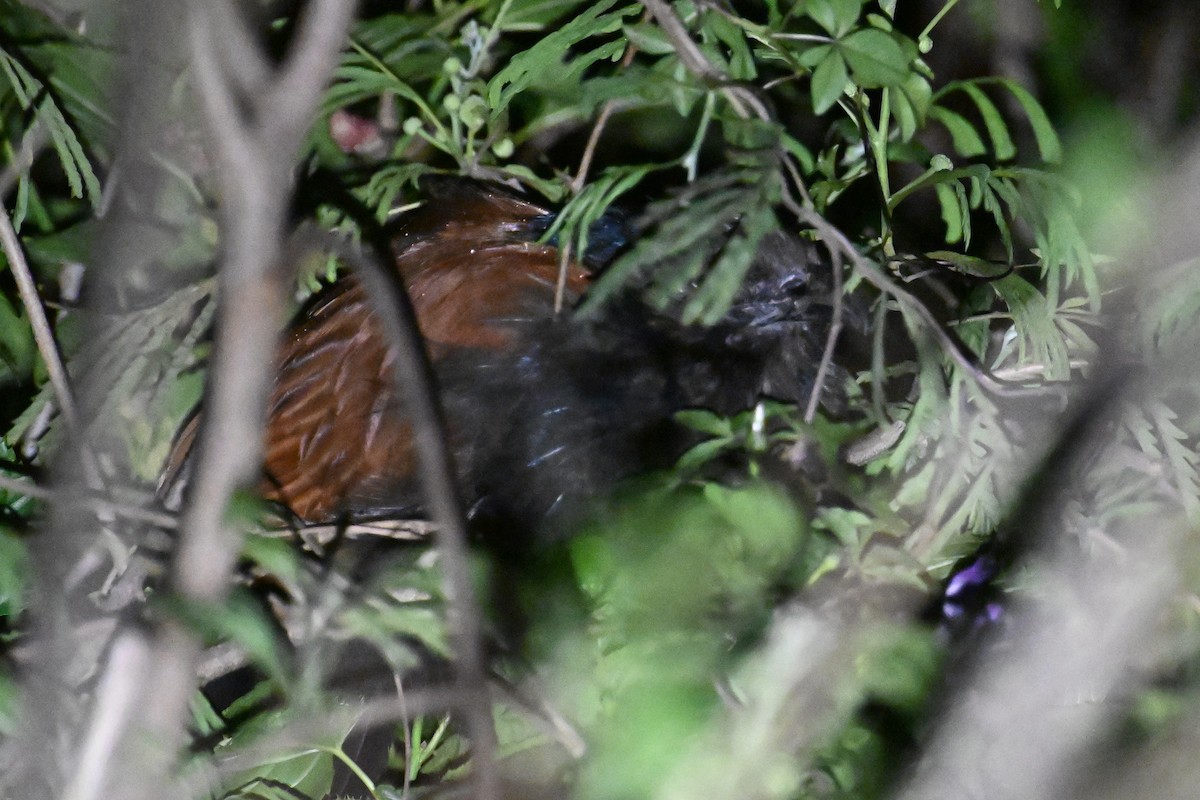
{"points": [[972, 311]]}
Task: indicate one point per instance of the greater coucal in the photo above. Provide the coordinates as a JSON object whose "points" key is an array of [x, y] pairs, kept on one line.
{"points": [[544, 411]]}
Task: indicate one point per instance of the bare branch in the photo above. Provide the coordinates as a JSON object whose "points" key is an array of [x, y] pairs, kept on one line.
{"points": [[589, 150], [35, 140], [835, 330], [119, 700], [233, 143], [248, 66], [415, 382], [689, 53], [308, 64], [255, 140], [693, 59], [42, 333], [837, 241], [94, 502], [1048, 691]]}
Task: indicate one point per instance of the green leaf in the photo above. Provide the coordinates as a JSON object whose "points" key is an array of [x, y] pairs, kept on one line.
{"points": [[523, 14], [876, 59], [1047, 139], [835, 16], [1039, 341], [1181, 456], [936, 175], [1002, 143], [17, 348], [241, 619], [851, 527], [741, 60], [393, 628], [770, 521], [705, 421], [901, 667], [951, 214], [829, 81], [276, 556], [586, 208], [910, 104], [798, 151], [649, 38], [712, 299], [681, 233], [14, 573], [992, 204], [205, 719], [970, 265], [811, 55], [967, 142], [33, 94], [306, 771], [904, 113], [547, 56], [701, 454], [964, 210], [358, 83]]}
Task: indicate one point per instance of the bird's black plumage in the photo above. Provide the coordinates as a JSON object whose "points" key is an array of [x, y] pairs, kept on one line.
{"points": [[546, 411]]}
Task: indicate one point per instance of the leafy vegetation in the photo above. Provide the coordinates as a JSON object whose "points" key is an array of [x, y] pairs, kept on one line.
{"points": [[681, 644]]}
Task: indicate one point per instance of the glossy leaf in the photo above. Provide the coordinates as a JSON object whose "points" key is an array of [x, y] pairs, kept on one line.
{"points": [[875, 58], [835, 16], [967, 142], [829, 81]]}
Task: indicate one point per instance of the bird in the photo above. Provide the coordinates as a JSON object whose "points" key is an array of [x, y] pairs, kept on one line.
{"points": [[545, 411]]}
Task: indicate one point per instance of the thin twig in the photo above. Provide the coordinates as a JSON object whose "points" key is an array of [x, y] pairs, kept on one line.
{"points": [[589, 150], [835, 324], [688, 51], [306, 68], [257, 149], [835, 330], [35, 140], [741, 100], [406, 728], [42, 333], [93, 502], [246, 62], [43, 336], [560, 285], [585, 165], [789, 164], [255, 138], [415, 382], [834, 238], [118, 699]]}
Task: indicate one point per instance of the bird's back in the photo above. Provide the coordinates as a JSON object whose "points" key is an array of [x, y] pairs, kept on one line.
{"points": [[544, 411]]}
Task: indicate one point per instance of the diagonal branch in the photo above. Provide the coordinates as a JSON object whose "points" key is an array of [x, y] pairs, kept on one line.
{"points": [[416, 384], [839, 244], [42, 332], [35, 140], [743, 101], [255, 140], [308, 63], [95, 501]]}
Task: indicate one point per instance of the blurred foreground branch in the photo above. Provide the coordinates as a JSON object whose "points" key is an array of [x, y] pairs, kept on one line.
{"points": [[255, 138], [1034, 717], [137, 722]]}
